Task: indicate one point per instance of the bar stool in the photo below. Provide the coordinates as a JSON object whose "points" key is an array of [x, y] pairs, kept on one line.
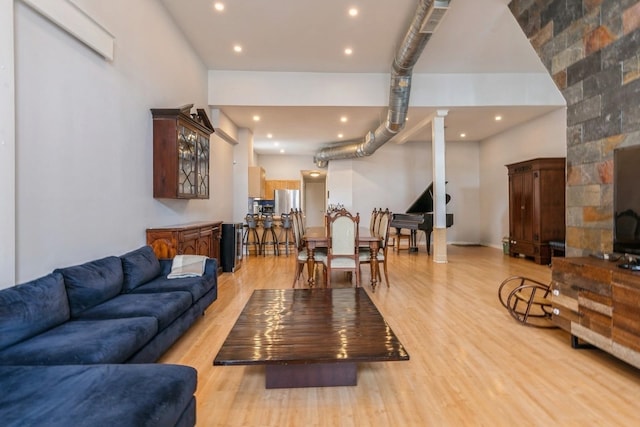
{"points": [[251, 233], [268, 235], [285, 236]]}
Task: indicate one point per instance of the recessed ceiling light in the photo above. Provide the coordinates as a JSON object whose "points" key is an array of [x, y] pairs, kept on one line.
{"points": [[353, 12], [314, 174], [340, 135], [498, 118], [348, 51], [463, 135], [269, 135], [343, 119], [218, 6], [282, 150], [276, 143], [237, 48], [256, 118]]}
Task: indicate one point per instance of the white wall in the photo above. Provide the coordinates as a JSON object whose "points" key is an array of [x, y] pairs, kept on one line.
{"points": [[396, 175], [285, 166], [463, 176], [84, 135], [7, 147], [314, 203], [340, 184], [372, 89], [542, 137], [243, 158]]}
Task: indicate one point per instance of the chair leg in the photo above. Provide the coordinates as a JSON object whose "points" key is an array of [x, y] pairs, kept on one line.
{"points": [[285, 237], [244, 241], [256, 241], [299, 268], [269, 233], [251, 233], [386, 274]]}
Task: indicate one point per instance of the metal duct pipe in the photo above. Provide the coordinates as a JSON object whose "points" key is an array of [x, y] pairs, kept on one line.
{"points": [[427, 17]]}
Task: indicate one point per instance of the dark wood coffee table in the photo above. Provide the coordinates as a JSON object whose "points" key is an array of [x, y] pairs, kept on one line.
{"points": [[310, 337]]}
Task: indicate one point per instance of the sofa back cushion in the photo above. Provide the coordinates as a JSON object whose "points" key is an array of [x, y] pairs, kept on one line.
{"points": [[139, 267], [31, 308], [91, 283]]}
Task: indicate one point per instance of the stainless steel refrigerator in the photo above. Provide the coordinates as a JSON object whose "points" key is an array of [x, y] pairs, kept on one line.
{"points": [[285, 200]]}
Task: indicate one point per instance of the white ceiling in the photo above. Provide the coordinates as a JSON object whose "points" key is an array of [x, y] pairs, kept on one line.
{"points": [[476, 36]]}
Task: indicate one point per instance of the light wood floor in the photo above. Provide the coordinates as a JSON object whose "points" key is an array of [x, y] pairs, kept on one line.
{"points": [[471, 364]]}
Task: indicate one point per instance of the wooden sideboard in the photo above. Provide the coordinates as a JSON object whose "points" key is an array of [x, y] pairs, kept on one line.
{"points": [[598, 302], [196, 238]]}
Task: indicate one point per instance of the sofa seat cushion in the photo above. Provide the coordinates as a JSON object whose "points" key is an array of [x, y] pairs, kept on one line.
{"points": [[165, 307], [31, 308], [139, 267], [98, 395], [92, 283], [196, 286], [83, 342]]}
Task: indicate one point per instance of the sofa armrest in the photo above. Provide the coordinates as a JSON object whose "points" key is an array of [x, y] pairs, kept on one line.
{"points": [[165, 266], [211, 267]]}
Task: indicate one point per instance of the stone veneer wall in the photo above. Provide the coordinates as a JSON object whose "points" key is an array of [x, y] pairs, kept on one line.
{"points": [[592, 50]]}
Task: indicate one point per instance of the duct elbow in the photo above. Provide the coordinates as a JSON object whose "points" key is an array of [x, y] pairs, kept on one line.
{"points": [[320, 163]]}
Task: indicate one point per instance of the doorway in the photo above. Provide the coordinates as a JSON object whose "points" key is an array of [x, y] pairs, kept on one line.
{"points": [[315, 201]]}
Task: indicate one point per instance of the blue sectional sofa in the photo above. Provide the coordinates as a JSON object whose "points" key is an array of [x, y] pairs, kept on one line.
{"points": [[77, 345]]}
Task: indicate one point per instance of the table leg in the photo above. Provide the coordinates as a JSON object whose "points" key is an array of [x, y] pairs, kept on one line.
{"points": [[311, 375]]}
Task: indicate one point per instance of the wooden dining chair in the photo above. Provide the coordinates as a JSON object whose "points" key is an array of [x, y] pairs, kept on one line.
{"points": [[381, 213], [300, 216], [342, 253], [301, 251], [381, 256], [373, 221]]}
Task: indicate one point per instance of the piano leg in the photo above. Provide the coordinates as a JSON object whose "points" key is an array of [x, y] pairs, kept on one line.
{"points": [[413, 241], [428, 235]]}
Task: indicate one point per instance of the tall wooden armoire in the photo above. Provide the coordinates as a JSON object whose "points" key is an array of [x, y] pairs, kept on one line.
{"points": [[536, 207]]}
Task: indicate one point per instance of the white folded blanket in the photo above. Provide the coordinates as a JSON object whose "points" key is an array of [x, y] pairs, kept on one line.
{"points": [[187, 266]]}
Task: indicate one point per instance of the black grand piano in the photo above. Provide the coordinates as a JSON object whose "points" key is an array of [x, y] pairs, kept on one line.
{"points": [[419, 216]]}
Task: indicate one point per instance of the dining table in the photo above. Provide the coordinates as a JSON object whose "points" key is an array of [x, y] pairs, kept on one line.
{"points": [[317, 237]]}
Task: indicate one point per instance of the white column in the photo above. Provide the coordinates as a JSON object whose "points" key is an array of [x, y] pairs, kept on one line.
{"points": [[439, 247], [7, 147]]}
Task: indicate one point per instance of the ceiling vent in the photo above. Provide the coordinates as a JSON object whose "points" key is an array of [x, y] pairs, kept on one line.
{"points": [[434, 16]]}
